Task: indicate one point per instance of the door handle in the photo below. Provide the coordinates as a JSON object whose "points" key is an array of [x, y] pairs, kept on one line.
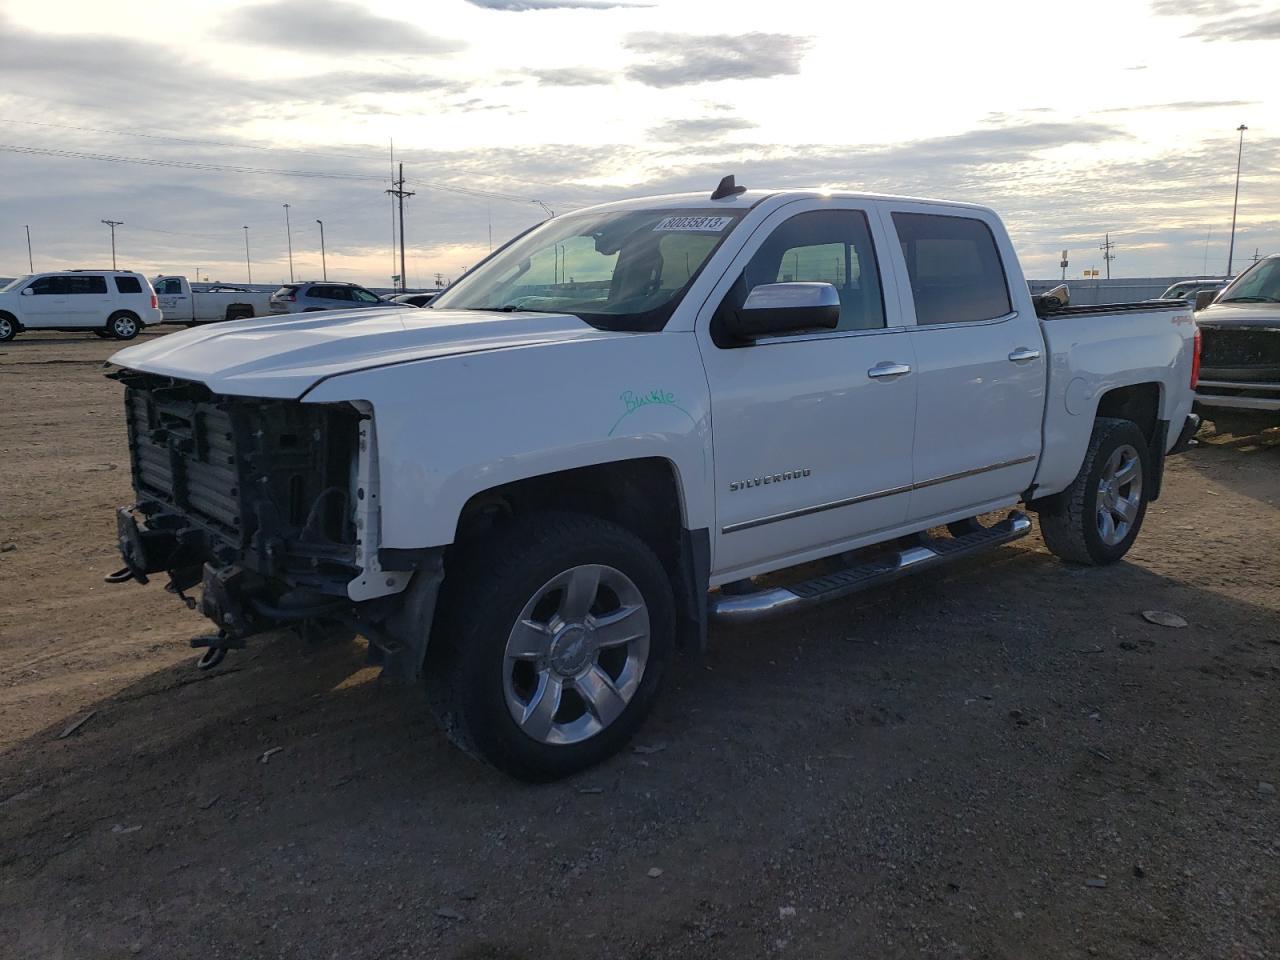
{"points": [[888, 368], [1023, 354]]}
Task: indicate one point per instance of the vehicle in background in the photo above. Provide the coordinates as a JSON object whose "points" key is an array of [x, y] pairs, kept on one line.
{"points": [[1240, 357], [110, 303], [583, 467], [1190, 289], [416, 299], [307, 296], [183, 302]]}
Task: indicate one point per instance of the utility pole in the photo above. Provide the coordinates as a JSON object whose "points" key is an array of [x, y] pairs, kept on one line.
{"points": [[248, 268], [1231, 248], [1257, 255], [30, 263], [288, 232], [324, 267], [113, 224], [1107, 255], [399, 192], [1064, 263]]}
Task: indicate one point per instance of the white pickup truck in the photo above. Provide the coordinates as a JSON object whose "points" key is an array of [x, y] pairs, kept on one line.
{"points": [[600, 437], [181, 302]]}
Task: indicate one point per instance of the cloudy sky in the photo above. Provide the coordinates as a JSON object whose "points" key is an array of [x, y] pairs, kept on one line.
{"points": [[191, 121]]}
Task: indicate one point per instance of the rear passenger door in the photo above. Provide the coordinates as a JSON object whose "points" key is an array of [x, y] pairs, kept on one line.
{"points": [[88, 304], [980, 364]]}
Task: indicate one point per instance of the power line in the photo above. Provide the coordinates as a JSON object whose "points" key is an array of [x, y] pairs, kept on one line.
{"points": [[184, 164], [399, 192], [239, 145], [266, 171], [1107, 255]]}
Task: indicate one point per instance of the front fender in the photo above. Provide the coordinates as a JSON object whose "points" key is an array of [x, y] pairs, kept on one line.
{"points": [[451, 427]]}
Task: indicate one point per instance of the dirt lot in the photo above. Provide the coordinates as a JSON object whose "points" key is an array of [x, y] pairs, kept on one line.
{"points": [[1002, 759]]}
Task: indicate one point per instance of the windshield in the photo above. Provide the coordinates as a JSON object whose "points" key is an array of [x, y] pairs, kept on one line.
{"points": [[1259, 284], [14, 284], [623, 270]]}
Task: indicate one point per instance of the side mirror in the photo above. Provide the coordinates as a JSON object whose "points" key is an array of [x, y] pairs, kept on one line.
{"points": [[776, 308], [1206, 297], [28, 292]]}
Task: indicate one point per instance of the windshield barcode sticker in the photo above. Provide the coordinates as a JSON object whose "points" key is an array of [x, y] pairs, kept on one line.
{"points": [[694, 224]]}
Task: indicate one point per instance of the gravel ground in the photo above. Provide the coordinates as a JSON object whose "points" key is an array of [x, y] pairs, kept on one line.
{"points": [[1000, 759]]}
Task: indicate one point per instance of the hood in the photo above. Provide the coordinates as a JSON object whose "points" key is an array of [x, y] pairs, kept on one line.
{"points": [[287, 356], [1243, 316]]}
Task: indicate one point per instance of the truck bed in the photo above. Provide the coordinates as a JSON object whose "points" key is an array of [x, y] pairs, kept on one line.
{"points": [[1046, 311]]}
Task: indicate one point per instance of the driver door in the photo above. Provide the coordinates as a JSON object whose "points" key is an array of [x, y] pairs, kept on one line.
{"points": [[812, 432]]}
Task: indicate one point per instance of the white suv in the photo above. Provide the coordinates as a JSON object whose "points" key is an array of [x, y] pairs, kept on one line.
{"points": [[111, 303]]}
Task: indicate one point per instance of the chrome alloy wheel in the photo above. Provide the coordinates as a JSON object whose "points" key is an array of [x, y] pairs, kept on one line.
{"points": [[6, 328], [1119, 495], [124, 327], [576, 655]]}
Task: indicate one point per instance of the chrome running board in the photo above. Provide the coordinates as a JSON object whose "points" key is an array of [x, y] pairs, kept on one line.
{"points": [[929, 552]]}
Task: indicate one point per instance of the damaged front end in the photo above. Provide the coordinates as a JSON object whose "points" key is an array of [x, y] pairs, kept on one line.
{"points": [[270, 506]]}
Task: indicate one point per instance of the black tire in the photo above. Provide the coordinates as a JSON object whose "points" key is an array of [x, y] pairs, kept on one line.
{"points": [[1070, 521], [239, 311], [8, 328], [485, 590], [123, 325]]}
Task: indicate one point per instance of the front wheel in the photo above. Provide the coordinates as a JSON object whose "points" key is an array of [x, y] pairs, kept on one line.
{"points": [[550, 644], [8, 329], [1096, 519], [123, 326]]}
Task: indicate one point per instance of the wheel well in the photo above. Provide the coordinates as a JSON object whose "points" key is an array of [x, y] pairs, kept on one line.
{"points": [[1139, 402], [122, 313], [641, 495], [238, 309]]}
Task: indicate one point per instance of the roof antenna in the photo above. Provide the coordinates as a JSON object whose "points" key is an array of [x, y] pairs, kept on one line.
{"points": [[727, 188]]}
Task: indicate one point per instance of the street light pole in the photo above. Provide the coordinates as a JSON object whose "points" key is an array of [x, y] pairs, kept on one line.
{"points": [[324, 267], [113, 224], [288, 232], [1231, 248], [248, 269], [30, 263]]}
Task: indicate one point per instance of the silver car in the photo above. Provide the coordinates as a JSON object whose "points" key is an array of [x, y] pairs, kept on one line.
{"points": [[1189, 289], [307, 296]]}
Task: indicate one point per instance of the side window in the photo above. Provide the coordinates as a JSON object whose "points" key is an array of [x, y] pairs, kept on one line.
{"points": [[166, 287], [50, 286], [955, 268], [831, 246], [83, 285], [360, 295], [338, 293], [128, 285]]}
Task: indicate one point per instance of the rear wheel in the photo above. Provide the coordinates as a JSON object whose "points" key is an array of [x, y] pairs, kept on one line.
{"points": [[239, 312], [1096, 519], [550, 644], [123, 325], [8, 328]]}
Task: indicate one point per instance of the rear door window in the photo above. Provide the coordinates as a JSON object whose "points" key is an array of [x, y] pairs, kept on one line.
{"points": [[955, 269], [128, 285], [86, 285]]}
